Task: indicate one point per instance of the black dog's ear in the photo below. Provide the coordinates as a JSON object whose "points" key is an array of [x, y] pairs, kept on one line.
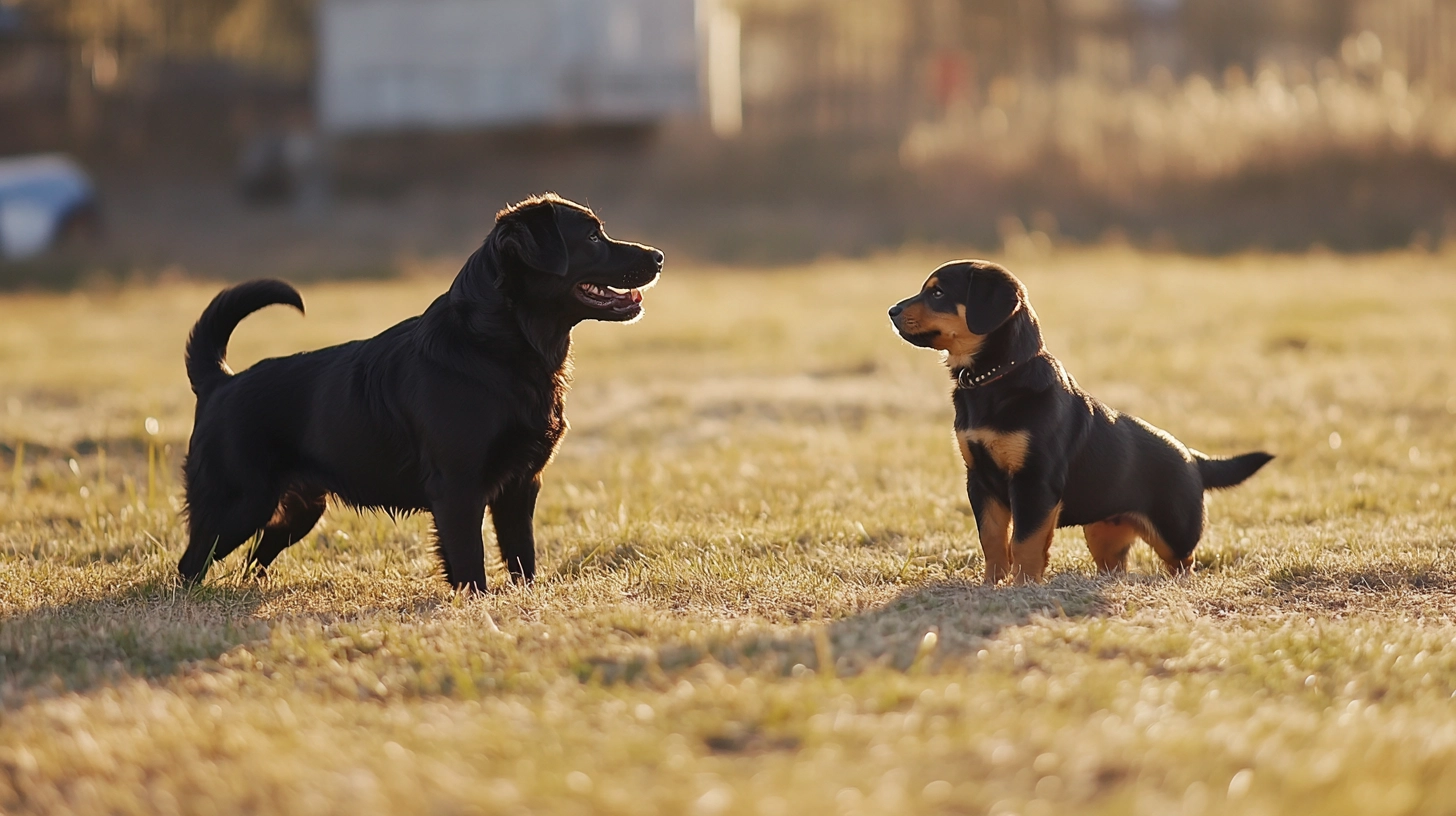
{"points": [[531, 233], [991, 300]]}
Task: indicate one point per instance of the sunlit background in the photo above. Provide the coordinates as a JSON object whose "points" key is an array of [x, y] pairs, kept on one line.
{"points": [[759, 586], [351, 137]]}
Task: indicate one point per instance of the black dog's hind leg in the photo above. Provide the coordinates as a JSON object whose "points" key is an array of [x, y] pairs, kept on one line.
{"points": [[213, 535], [458, 519], [296, 515], [512, 512]]}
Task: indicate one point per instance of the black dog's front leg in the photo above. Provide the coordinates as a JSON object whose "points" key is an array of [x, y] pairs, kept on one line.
{"points": [[458, 519], [513, 511]]}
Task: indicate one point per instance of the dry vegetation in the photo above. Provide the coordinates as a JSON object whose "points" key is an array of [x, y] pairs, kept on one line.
{"points": [[1119, 137], [1350, 153], [753, 526]]}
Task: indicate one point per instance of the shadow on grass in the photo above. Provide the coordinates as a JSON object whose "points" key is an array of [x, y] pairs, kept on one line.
{"points": [[1380, 577], [614, 557], [963, 615], [148, 630], [1419, 589], [145, 630]]}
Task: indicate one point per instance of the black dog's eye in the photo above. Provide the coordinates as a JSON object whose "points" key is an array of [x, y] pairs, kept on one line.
{"points": [[596, 235]]}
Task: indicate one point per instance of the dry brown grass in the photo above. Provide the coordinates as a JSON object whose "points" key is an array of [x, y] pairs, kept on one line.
{"points": [[1116, 135], [753, 525]]}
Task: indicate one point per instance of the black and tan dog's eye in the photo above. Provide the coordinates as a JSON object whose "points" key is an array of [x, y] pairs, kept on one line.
{"points": [[937, 293]]}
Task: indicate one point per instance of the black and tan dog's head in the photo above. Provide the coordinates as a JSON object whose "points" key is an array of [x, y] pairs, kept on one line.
{"points": [[960, 305], [551, 254]]}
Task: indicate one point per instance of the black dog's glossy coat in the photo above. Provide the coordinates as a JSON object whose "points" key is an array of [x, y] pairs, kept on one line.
{"points": [[1040, 452], [452, 412]]}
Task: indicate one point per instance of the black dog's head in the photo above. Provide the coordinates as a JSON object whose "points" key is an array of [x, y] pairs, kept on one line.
{"points": [[960, 305], [552, 255]]}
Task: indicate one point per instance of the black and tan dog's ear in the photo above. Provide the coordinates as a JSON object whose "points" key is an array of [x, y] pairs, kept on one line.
{"points": [[533, 236], [991, 300]]}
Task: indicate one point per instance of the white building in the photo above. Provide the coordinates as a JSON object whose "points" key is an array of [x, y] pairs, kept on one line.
{"points": [[447, 64]]}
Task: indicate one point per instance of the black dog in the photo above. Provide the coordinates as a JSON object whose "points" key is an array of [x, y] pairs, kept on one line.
{"points": [[1042, 453], [453, 411]]}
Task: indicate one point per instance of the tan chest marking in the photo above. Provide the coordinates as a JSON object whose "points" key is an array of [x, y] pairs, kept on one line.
{"points": [[965, 445], [1007, 448]]}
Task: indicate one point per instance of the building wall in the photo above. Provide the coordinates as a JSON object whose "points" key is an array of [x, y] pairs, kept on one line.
{"points": [[449, 64]]}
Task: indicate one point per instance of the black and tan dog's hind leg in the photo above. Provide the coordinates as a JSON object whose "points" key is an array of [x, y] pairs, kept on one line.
{"points": [[1177, 555], [1109, 543]]}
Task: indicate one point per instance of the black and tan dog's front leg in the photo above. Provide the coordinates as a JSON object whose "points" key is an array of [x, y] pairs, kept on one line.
{"points": [[993, 522], [513, 512], [1035, 508]]}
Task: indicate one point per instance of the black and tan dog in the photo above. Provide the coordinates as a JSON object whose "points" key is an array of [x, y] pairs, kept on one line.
{"points": [[1040, 452], [452, 412]]}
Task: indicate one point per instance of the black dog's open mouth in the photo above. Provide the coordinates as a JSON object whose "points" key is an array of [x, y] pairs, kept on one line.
{"points": [[609, 297]]}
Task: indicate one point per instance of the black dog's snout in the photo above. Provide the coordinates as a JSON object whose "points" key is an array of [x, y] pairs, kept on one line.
{"points": [[658, 257], [896, 310]]}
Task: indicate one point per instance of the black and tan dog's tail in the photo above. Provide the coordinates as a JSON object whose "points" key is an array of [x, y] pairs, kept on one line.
{"points": [[207, 345], [1218, 472]]}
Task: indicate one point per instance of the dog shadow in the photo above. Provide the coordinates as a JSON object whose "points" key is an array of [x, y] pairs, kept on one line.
{"points": [[149, 630], [146, 630], [1384, 587], [961, 615]]}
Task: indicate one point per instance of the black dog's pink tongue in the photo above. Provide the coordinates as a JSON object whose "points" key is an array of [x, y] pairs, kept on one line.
{"points": [[636, 295]]}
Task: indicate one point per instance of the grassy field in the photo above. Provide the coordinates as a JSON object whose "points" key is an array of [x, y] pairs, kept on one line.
{"points": [[759, 573]]}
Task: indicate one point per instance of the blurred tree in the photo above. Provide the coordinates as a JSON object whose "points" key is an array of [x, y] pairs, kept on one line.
{"points": [[270, 35], [1221, 33]]}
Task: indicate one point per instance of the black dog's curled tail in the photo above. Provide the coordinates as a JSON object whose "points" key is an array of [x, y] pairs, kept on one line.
{"points": [[207, 345], [1217, 472]]}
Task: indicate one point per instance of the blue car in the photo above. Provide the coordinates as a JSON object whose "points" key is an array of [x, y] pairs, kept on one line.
{"points": [[43, 198]]}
